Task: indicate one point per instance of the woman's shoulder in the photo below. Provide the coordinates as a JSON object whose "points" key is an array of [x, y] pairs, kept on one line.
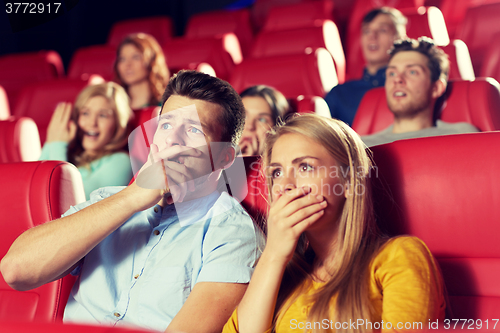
{"points": [[401, 249]]}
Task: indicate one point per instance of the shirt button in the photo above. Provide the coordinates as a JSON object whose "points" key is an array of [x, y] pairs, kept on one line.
{"points": [[136, 276], [375, 82], [156, 232], [156, 209], [116, 314]]}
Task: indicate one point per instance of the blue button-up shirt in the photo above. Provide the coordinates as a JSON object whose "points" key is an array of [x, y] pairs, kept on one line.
{"points": [[143, 272], [344, 99]]}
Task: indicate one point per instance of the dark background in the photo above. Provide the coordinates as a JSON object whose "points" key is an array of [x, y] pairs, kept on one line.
{"points": [[88, 22]]}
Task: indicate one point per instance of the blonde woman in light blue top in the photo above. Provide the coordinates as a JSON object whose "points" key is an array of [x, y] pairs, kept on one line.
{"points": [[93, 136]]}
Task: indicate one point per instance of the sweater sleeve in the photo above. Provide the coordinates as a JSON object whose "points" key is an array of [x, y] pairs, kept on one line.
{"points": [[411, 284], [110, 170], [55, 151]]}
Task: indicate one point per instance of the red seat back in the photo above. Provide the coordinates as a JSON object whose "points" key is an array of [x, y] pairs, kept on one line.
{"points": [[310, 104], [221, 52], [210, 24], [426, 21], [4, 105], [293, 75], [476, 102], [34, 193], [38, 101], [19, 140], [460, 62], [25, 327], [19, 70], [298, 15], [429, 188], [97, 59], [491, 64], [477, 30], [160, 27], [302, 40]]}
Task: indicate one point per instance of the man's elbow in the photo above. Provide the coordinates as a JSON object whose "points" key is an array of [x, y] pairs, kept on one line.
{"points": [[13, 275]]}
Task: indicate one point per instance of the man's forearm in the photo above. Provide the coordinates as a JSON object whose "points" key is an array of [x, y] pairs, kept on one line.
{"points": [[46, 252]]}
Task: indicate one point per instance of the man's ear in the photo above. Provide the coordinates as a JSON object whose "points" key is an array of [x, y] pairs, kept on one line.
{"points": [[225, 158], [438, 88]]}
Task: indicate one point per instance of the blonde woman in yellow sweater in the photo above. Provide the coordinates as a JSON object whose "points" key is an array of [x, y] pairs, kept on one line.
{"points": [[326, 267]]}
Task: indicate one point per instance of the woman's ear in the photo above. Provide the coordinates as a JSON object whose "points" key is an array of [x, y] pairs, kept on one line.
{"points": [[347, 189]]}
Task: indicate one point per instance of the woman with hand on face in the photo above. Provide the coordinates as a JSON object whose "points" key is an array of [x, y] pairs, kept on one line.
{"points": [[263, 106], [325, 264], [93, 136], [141, 69]]}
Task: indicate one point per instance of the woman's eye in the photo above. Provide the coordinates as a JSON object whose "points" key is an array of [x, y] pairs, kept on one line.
{"points": [[276, 173], [104, 116], [412, 72], [305, 167]]}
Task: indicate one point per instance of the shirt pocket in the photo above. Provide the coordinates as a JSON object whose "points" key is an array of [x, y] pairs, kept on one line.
{"points": [[164, 290]]}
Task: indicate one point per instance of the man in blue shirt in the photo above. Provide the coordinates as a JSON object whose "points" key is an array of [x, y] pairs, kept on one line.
{"points": [[380, 28], [168, 250]]}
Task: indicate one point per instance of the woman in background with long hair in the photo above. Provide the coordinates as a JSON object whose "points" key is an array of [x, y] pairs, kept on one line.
{"points": [[141, 69]]}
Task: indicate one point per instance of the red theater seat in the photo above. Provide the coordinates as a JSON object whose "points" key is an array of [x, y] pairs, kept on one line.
{"points": [[477, 30], [302, 40], [445, 190], [4, 105], [298, 15], [33, 193], [476, 102], [460, 62], [19, 140], [160, 27], [261, 8], [427, 21], [491, 64], [20, 327], [294, 75], [221, 52], [97, 59], [21, 69], [38, 101], [210, 24], [310, 104]]}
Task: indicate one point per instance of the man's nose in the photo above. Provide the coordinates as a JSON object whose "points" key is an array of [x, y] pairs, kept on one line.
{"points": [[175, 138]]}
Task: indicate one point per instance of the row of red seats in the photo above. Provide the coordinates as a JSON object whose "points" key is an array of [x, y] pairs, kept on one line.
{"points": [[476, 102], [313, 30], [423, 187]]}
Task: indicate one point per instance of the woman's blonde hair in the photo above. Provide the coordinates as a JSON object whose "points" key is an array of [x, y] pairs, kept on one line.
{"points": [[152, 53], [119, 102], [358, 236]]}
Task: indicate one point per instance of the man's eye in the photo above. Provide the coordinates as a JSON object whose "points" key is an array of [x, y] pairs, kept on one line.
{"points": [[166, 126], [196, 130], [412, 72], [391, 74]]}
